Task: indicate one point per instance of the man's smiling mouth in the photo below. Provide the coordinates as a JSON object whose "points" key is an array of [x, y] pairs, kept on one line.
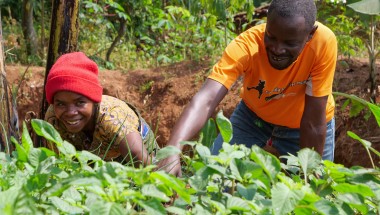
{"points": [[274, 58]]}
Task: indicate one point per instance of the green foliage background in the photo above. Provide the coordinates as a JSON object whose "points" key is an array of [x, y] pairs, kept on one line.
{"points": [[162, 32]]}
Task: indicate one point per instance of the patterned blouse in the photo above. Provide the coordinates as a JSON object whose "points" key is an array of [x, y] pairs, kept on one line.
{"points": [[115, 119]]}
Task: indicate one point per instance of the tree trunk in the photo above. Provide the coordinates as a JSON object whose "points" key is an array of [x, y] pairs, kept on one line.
{"points": [[30, 35], [372, 60], [120, 34], [7, 126], [42, 28], [63, 39]]}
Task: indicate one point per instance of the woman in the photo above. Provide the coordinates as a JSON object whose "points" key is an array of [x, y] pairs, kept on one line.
{"points": [[101, 124]]}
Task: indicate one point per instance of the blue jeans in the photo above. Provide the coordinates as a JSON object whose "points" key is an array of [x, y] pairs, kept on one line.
{"points": [[249, 129]]}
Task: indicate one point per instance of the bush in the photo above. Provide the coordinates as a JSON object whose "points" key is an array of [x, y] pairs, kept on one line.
{"points": [[237, 181]]}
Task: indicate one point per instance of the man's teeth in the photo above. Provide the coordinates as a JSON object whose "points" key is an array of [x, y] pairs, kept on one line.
{"points": [[72, 122], [277, 59]]}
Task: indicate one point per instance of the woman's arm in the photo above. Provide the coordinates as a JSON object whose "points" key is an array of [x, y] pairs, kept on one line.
{"points": [[133, 149]]}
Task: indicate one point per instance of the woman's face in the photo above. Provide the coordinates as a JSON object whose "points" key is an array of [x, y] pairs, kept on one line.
{"points": [[74, 110]]}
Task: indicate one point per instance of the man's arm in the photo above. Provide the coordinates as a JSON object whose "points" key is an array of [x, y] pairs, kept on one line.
{"points": [[313, 123], [192, 119]]}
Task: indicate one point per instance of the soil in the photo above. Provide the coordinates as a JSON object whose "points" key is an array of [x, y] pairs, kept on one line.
{"points": [[162, 93]]}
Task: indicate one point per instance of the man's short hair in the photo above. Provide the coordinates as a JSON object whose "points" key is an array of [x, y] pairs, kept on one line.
{"points": [[294, 8]]}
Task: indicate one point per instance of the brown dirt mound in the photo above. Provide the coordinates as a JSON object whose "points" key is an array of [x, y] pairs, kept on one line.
{"points": [[162, 93]]}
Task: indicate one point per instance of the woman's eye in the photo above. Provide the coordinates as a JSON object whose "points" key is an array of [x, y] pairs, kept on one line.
{"points": [[81, 103]]}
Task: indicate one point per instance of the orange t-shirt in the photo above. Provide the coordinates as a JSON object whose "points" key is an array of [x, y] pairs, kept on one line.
{"points": [[278, 96]]}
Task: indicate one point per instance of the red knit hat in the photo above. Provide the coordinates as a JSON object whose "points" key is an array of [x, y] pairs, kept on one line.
{"points": [[74, 72]]}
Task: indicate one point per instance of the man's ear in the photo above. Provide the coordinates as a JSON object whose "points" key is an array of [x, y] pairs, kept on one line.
{"points": [[313, 30]]}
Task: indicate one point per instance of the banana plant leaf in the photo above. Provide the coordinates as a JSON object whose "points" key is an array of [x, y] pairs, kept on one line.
{"points": [[368, 7]]}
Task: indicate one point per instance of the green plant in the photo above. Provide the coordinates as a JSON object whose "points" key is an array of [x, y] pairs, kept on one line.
{"points": [[357, 105], [251, 181], [146, 87], [39, 181], [237, 181], [343, 23], [370, 8]]}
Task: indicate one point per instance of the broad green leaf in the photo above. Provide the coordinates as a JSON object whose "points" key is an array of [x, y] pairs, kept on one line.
{"points": [[237, 204], [198, 182], [67, 149], [219, 206], [247, 192], [369, 7], [107, 208], [176, 210], [47, 131], [8, 200], [225, 127], [354, 188], [365, 143], [269, 163], [351, 198], [355, 201], [21, 153], [153, 206], [96, 189], [65, 206], [337, 172], [308, 160], [85, 156], [345, 209], [367, 178], [190, 143], [37, 182], [25, 203], [172, 182], [219, 169], [26, 140], [167, 152], [152, 191], [375, 111], [284, 200], [36, 155], [200, 209], [242, 169], [45, 166], [345, 104], [47, 151], [356, 107], [203, 152], [326, 207], [72, 193], [116, 6], [208, 133], [81, 181], [235, 169]]}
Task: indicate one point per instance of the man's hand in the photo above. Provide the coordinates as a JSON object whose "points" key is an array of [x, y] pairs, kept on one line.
{"points": [[171, 165]]}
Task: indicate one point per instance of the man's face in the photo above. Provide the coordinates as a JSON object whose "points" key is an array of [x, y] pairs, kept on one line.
{"points": [[284, 39]]}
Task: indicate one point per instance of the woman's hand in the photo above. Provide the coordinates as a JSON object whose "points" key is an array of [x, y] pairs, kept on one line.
{"points": [[171, 165]]}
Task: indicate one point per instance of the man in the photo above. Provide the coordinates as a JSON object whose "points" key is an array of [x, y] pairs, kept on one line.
{"points": [[288, 66]]}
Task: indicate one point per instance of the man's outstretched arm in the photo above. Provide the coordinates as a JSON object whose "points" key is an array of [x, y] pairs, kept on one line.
{"points": [[192, 119]]}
